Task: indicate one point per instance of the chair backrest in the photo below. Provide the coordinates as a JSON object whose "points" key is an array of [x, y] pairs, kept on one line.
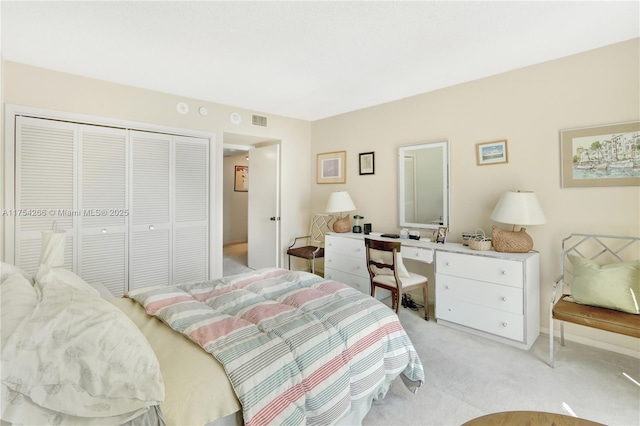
{"points": [[382, 261], [319, 228], [603, 249]]}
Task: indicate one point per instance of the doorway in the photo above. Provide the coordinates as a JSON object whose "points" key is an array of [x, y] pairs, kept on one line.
{"points": [[237, 242]]}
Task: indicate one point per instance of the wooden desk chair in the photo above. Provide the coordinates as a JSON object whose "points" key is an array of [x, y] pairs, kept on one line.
{"points": [[386, 270], [313, 247]]}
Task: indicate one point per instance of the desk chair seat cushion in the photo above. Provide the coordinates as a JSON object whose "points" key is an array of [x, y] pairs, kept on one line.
{"points": [[409, 281], [385, 257], [306, 252]]}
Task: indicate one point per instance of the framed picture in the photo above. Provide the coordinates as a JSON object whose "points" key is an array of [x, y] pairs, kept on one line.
{"points": [[241, 179], [332, 167], [441, 236], [367, 163], [601, 156], [491, 153]]}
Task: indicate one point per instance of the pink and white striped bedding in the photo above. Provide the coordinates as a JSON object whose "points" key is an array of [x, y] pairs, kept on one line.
{"points": [[298, 349]]}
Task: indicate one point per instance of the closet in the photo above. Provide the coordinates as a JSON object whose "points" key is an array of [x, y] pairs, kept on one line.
{"points": [[134, 204]]}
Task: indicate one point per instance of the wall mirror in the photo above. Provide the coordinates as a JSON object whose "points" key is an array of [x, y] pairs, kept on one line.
{"points": [[423, 176]]}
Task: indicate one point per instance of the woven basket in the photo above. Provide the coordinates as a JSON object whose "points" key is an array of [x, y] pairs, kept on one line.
{"points": [[480, 242], [511, 241]]}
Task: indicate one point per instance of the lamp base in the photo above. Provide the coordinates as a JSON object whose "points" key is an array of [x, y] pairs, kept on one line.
{"points": [[342, 225], [510, 241]]}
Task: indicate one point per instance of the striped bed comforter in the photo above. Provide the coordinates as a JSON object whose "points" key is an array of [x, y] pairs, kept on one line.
{"points": [[298, 349]]}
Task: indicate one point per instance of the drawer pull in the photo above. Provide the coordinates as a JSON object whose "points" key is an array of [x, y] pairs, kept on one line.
{"points": [[504, 324], [504, 272], [104, 230], [151, 227], [447, 287], [504, 299], [448, 263]]}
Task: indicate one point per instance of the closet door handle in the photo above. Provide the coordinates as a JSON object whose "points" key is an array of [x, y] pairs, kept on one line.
{"points": [[151, 227]]}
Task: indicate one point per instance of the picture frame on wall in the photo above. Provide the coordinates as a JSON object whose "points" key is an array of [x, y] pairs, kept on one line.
{"points": [[332, 167], [367, 163], [494, 152], [241, 179], [601, 156]]}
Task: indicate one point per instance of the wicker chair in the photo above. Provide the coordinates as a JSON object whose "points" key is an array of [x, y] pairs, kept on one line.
{"points": [[313, 247]]}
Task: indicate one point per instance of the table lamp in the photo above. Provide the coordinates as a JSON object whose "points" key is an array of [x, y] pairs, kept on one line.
{"points": [[516, 208], [340, 202]]}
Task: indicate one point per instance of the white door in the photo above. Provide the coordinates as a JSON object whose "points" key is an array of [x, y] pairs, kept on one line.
{"points": [[264, 207], [150, 207]]}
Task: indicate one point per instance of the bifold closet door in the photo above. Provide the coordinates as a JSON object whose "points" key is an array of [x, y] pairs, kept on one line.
{"points": [[191, 210], [103, 224], [45, 187], [150, 241]]}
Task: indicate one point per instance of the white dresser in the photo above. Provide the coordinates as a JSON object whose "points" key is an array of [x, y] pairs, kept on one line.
{"points": [[495, 295], [487, 293]]}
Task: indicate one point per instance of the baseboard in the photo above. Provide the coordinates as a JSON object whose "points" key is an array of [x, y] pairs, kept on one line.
{"points": [[590, 342]]}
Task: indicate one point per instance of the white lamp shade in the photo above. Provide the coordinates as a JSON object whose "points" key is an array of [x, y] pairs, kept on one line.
{"points": [[52, 248], [519, 208], [340, 202]]}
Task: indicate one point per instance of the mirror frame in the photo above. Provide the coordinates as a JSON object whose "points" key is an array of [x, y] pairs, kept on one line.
{"points": [[445, 187]]}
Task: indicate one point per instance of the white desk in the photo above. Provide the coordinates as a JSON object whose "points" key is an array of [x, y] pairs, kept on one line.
{"points": [[492, 294]]}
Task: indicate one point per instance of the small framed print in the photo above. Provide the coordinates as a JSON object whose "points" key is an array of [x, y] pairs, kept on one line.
{"points": [[492, 153], [332, 167], [367, 163], [441, 236], [241, 180]]}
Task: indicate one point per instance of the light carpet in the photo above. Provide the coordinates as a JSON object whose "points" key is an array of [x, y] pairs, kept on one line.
{"points": [[469, 376]]}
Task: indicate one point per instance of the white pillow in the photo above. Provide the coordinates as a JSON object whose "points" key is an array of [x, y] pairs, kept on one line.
{"points": [[18, 300], [7, 269], [47, 274], [385, 257], [79, 354]]}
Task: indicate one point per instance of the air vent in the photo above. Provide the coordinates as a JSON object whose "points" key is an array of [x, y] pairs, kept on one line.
{"points": [[258, 120]]}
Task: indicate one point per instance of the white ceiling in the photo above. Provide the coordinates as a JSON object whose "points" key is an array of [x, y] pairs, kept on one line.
{"points": [[307, 60]]}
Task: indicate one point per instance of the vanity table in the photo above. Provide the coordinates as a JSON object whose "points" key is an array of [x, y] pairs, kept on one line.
{"points": [[486, 293]]}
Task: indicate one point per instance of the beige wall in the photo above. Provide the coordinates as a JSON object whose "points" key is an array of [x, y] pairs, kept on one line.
{"points": [[528, 107], [36, 87]]}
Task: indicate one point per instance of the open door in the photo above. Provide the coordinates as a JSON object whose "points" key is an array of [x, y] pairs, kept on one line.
{"points": [[264, 207]]}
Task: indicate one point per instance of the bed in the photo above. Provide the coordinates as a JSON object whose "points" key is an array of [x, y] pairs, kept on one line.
{"points": [[266, 347]]}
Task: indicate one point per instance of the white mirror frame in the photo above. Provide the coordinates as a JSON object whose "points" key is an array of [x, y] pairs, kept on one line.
{"points": [[405, 151]]}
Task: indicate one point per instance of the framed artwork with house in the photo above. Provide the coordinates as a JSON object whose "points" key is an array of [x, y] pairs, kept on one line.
{"points": [[601, 156]]}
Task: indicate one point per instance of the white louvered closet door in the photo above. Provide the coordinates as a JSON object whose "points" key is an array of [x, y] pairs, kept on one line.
{"points": [[45, 187], [150, 208], [103, 195], [191, 210]]}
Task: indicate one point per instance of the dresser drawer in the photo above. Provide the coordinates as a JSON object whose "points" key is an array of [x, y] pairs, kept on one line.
{"points": [[349, 264], [347, 246], [499, 323], [500, 271], [417, 253], [355, 281], [493, 296]]}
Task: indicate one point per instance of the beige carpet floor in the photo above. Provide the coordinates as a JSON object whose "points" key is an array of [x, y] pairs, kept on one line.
{"points": [[469, 376]]}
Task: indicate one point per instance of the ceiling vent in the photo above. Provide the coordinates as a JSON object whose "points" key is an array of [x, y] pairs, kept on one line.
{"points": [[258, 120]]}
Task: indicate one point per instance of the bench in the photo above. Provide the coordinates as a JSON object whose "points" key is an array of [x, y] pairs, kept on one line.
{"points": [[605, 250]]}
